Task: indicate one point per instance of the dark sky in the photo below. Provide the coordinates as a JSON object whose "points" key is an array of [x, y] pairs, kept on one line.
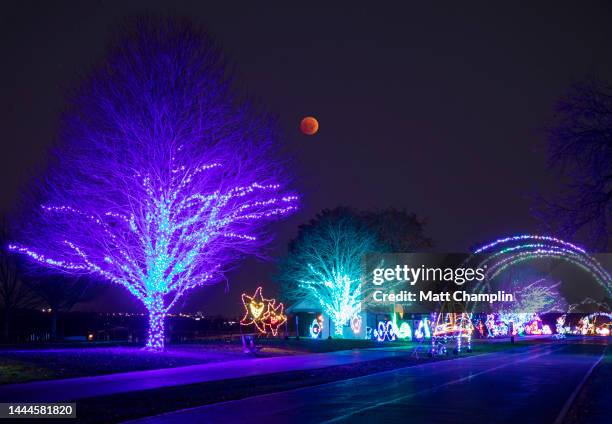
{"points": [[437, 109]]}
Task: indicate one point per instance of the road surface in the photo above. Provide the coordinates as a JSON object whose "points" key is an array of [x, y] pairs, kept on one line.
{"points": [[536, 384]]}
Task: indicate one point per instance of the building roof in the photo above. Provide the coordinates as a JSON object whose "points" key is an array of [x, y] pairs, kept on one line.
{"points": [[305, 305]]}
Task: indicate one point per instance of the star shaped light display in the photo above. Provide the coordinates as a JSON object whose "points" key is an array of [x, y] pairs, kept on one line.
{"points": [[274, 317], [262, 313]]}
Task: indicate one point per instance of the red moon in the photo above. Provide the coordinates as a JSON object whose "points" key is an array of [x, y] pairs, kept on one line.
{"points": [[309, 125]]}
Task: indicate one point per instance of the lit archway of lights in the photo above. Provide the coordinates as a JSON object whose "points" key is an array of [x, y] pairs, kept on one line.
{"points": [[504, 253]]}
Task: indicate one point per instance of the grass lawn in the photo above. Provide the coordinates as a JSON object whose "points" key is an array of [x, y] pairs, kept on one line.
{"points": [[12, 371], [46, 362], [308, 345], [49, 363]]}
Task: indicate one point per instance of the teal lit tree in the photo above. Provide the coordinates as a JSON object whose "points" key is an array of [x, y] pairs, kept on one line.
{"points": [[324, 264], [165, 177]]}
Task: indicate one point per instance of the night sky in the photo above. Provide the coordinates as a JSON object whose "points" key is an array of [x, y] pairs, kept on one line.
{"points": [[437, 109]]}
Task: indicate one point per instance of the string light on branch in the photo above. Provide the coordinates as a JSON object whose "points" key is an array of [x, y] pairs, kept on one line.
{"points": [[166, 181], [324, 267]]}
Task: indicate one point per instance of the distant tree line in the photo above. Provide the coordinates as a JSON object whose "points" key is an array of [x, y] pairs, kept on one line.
{"points": [[23, 287]]}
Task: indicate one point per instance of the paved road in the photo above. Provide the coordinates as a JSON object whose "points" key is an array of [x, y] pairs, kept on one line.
{"points": [[84, 387], [531, 385]]}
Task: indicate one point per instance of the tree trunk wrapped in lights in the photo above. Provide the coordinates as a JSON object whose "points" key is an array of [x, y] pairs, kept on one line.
{"points": [[166, 177]]}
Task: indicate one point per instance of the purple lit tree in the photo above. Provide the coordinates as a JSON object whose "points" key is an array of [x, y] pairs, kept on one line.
{"points": [[165, 177]]}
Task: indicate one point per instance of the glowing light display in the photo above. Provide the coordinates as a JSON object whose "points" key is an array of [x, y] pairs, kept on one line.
{"points": [[263, 313], [384, 331], [274, 317], [509, 251], [560, 328], [402, 330], [339, 299], [502, 325], [537, 297], [595, 324], [506, 252], [422, 331], [316, 328], [491, 327], [356, 323], [480, 327], [540, 296], [453, 325], [534, 326], [166, 180]]}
